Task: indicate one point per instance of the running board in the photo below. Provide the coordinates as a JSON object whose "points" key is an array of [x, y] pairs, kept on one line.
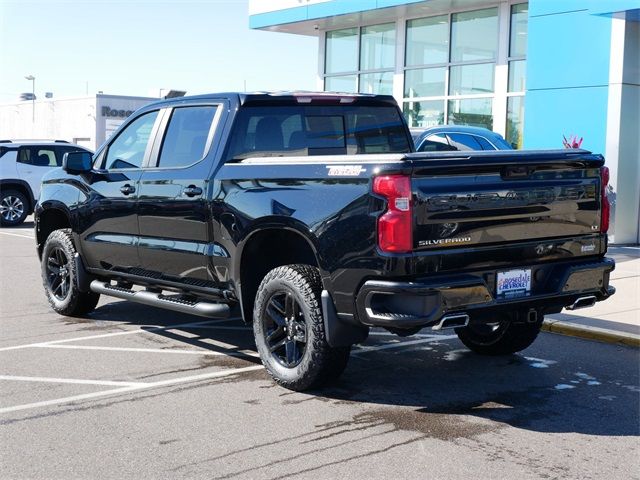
{"points": [[203, 309]]}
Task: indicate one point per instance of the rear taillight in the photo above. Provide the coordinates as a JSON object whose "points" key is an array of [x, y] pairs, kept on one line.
{"points": [[395, 226], [605, 209]]}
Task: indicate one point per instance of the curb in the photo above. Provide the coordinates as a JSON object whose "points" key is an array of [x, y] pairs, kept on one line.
{"points": [[591, 333]]}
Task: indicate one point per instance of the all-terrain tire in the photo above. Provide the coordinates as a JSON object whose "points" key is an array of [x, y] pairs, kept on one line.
{"points": [[14, 208], [317, 363], [509, 337], [61, 288]]}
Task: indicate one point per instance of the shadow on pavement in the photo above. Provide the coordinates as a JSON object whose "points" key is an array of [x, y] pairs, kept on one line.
{"points": [[589, 389], [558, 385]]}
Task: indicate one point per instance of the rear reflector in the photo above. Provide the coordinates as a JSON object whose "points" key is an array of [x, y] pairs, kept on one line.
{"points": [[395, 226], [605, 209]]}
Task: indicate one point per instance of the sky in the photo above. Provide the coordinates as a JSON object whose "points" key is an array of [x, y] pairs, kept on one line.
{"points": [[133, 47]]}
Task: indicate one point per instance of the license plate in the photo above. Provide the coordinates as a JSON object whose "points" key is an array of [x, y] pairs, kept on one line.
{"points": [[514, 283]]}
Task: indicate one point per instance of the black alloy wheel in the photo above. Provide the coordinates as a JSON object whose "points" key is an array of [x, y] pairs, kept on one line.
{"points": [[58, 273], [285, 328], [60, 276], [289, 329]]}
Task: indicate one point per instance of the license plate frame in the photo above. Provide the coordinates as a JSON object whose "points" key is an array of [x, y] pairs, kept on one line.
{"points": [[513, 283]]}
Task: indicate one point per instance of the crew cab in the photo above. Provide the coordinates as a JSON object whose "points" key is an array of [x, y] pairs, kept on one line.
{"points": [[312, 214]]}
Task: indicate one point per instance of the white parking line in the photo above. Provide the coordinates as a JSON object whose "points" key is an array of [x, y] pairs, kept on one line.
{"points": [[239, 353], [133, 388], [115, 334], [18, 235], [74, 381]]}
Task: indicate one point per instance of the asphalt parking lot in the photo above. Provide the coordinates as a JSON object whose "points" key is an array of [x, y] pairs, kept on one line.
{"points": [[136, 392]]}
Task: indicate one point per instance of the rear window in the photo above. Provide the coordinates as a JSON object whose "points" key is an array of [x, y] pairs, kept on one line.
{"points": [[316, 130]]}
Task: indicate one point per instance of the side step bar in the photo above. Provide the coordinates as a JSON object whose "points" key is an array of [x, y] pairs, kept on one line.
{"points": [[203, 309]]}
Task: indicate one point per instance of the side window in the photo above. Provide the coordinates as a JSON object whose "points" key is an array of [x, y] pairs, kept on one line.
{"points": [[38, 157], [435, 143], [186, 136], [484, 143], [461, 141], [127, 150]]}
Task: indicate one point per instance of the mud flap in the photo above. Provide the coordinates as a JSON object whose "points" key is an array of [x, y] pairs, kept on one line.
{"points": [[338, 332]]}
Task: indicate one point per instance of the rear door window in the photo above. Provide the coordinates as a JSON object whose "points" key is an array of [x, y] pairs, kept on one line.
{"points": [[484, 143], [436, 142], [38, 156], [462, 141], [186, 136]]}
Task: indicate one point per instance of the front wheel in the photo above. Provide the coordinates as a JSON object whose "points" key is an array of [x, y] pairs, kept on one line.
{"points": [[59, 277], [289, 329], [501, 337]]}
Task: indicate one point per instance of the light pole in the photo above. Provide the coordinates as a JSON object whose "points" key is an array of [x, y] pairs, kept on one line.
{"points": [[33, 96]]}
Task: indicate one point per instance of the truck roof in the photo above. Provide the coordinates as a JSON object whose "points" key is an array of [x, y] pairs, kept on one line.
{"points": [[290, 98]]}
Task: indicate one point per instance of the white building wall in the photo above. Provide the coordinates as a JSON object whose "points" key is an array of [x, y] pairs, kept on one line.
{"points": [[64, 119], [77, 120]]}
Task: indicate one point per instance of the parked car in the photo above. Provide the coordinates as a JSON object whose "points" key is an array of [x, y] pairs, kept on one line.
{"points": [[22, 166], [313, 215], [446, 138]]}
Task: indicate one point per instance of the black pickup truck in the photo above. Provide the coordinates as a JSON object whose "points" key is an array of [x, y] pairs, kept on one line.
{"points": [[312, 214]]}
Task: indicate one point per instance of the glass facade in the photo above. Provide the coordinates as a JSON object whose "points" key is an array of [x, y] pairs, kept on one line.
{"points": [[427, 41], [451, 57], [366, 54], [460, 67], [471, 111], [342, 51], [474, 35]]}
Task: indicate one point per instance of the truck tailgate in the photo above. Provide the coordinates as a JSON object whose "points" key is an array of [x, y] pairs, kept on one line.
{"points": [[491, 198]]}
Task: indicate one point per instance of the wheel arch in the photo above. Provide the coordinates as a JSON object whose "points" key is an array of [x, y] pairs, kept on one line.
{"points": [[49, 219], [266, 248], [21, 186]]}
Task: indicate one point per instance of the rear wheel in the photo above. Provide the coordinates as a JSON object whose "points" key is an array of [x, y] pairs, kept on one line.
{"points": [[14, 208], [59, 276], [502, 337], [289, 329]]}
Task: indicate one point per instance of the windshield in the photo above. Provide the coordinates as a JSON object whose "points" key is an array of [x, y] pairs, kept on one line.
{"points": [[316, 130]]}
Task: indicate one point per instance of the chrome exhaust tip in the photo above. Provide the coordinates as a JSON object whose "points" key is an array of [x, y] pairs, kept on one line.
{"points": [[455, 320], [583, 302]]}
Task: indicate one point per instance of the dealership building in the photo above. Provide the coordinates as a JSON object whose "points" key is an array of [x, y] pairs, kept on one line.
{"points": [[533, 72], [86, 121]]}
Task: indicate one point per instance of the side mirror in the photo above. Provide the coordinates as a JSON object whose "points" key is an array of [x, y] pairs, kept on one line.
{"points": [[77, 162]]}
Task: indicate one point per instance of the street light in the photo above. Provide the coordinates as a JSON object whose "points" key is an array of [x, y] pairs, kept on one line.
{"points": [[33, 96]]}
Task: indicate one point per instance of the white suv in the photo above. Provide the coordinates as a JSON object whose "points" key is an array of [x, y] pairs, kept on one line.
{"points": [[22, 166]]}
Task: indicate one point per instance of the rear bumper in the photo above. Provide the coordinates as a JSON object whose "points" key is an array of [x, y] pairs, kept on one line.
{"points": [[424, 302]]}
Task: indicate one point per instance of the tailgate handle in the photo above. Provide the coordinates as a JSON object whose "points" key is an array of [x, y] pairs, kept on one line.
{"points": [[518, 172]]}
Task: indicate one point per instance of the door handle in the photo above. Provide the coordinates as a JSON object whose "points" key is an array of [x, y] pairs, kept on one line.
{"points": [[192, 191], [127, 189]]}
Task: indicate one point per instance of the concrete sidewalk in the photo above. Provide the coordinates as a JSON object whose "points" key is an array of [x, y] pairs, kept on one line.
{"points": [[616, 320]]}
